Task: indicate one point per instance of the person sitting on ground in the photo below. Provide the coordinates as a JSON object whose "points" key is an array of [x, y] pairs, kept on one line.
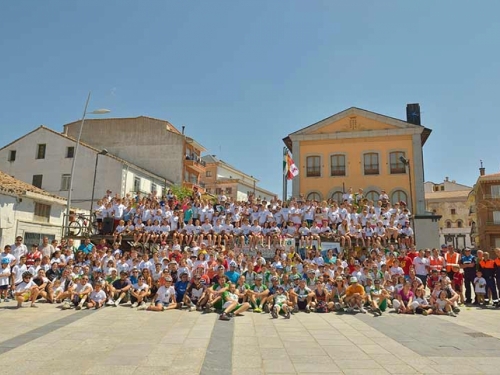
{"points": [[26, 290], [231, 305], [379, 297], [120, 289], [302, 297], [403, 303], [280, 303], [44, 286], [164, 299], [139, 292], [355, 296], [81, 292], [97, 297]]}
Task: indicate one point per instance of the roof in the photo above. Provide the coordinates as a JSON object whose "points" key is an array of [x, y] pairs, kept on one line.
{"points": [[11, 185], [361, 112], [169, 126], [212, 159], [447, 194], [145, 171]]}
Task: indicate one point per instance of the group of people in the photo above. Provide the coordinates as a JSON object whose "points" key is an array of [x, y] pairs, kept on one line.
{"points": [[208, 277], [355, 221]]}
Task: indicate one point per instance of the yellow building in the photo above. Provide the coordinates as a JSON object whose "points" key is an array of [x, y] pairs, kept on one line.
{"points": [[356, 149]]}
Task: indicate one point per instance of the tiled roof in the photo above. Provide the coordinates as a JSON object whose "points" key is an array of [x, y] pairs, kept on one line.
{"points": [[11, 185], [447, 194]]}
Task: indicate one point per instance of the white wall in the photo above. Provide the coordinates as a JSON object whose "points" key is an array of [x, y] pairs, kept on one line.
{"points": [[426, 233], [17, 218]]}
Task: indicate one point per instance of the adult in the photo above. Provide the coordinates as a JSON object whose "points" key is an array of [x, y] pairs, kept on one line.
{"points": [[452, 259], [468, 265], [421, 265], [436, 261], [487, 266], [46, 248], [86, 247], [19, 248], [497, 272]]}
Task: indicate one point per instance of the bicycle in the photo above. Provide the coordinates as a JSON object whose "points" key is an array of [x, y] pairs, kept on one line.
{"points": [[82, 225]]}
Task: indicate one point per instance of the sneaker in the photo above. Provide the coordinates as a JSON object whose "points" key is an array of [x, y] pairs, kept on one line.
{"points": [[66, 306], [425, 313], [6, 300], [224, 316], [338, 306], [116, 304], [257, 310], [296, 309], [274, 314], [266, 308], [287, 315], [78, 307], [456, 310], [451, 313], [142, 307], [378, 311], [362, 310], [350, 310], [110, 302], [34, 306], [192, 308], [308, 309], [134, 305]]}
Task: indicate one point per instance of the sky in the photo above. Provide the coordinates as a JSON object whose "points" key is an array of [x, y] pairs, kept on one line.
{"points": [[242, 75]]}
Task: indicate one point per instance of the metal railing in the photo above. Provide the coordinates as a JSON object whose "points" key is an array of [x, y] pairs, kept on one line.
{"points": [[79, 225], [196, 160]]}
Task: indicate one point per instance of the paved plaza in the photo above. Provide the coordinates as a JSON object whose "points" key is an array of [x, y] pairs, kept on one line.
{"points": [[124, 341]]}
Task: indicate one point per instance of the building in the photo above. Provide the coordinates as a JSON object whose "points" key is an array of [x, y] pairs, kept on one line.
{"points": [[28, 211], [487, 209], [221, 178], [153, 144], [362, 149], [450, 200], [44, 157]]}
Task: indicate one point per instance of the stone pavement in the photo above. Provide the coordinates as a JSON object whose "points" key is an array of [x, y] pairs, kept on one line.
{"points": [[124, 341]]}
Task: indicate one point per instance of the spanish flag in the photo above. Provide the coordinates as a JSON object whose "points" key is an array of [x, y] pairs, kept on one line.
{"points": [[290, 170]]}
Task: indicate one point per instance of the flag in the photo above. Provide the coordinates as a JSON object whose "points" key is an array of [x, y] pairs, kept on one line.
{"points": [[290, 170]]}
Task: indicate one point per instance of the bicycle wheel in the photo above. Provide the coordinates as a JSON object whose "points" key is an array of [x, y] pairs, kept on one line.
{"points": [[74, 228]]}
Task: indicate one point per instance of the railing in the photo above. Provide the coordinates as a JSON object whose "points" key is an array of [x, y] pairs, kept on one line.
{"points": [[491, 196], [79, 225], [494, 223], [196, 160]]}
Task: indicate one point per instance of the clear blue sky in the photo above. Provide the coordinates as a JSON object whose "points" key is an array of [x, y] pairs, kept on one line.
{"points": [[241, 75]]}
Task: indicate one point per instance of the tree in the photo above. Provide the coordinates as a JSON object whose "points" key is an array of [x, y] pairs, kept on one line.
{"points": [[181, 192]]}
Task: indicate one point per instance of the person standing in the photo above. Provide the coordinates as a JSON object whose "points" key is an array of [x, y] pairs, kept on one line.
{"points": [[468, 265], [497, 272], [452, 259], [421, 265], [488, 268], [19, 249]]}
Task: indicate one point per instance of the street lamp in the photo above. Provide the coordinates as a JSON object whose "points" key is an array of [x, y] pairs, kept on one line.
{"points": [[70, 192], [103, 152], [406, 162]]}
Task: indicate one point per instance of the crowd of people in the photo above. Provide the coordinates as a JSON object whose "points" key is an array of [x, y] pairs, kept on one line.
{"points": [[215, 271]]}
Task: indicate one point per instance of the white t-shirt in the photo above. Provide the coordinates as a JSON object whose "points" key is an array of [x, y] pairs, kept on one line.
{"points": [[25, 286], [18, 271], [17, 251], [5, 274], [420, 265], [99, 296], [165, 294]]}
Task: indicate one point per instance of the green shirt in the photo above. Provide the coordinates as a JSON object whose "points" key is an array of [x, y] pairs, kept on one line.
{"points": [[259, 289]]}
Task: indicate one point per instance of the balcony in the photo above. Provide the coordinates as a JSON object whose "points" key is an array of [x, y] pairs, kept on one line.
{"points": [[191, 185], [195, 163]]}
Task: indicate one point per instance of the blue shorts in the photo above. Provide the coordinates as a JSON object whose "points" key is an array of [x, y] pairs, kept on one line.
{"points": [[165, 304]]}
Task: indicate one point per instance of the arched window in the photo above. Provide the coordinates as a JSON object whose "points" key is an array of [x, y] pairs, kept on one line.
{"points": [[398, 196], [448, 224], [460, 224], [337, 196], [396, 165], [372, 195], [313, 196], [313, 166]]}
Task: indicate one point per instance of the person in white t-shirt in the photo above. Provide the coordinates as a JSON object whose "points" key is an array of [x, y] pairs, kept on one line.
{"points": [[26, 290], [19, 248], [4, 279], [421, 264], [164, 298], [97, 297]]}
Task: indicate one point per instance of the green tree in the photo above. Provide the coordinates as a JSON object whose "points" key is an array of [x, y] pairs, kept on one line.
{"points": [[181, 192]]}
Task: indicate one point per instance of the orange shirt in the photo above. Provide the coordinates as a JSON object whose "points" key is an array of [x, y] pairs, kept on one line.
{"points": [[355, 288], [451, 259]]}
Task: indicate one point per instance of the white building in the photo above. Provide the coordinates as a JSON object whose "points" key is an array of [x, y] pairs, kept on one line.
{"points": [[28, 211], [44, 157], [222, 178]]}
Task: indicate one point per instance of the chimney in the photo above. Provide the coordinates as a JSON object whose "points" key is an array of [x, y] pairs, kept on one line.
{"points": [[183, 127], [481, 169], [413, 113], [446, 179]]}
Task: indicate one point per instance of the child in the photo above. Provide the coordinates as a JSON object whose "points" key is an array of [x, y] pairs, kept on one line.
{"points": [[4, 279], [480, 287], [97, 297], [458, 282], [280, 303], [442, 306]]}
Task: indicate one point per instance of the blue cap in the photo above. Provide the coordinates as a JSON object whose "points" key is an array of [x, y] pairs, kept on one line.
{"points": [[5, 261]]}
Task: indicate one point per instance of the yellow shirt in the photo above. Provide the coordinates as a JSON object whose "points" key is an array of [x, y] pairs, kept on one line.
{"points": [[355, 288]]}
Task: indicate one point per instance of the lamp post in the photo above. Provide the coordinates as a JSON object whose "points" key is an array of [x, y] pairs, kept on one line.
{"points": [[406, 162], [103, 152], [70, 192]]}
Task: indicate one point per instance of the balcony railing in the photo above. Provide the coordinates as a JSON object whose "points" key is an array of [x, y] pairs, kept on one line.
{"points": [[196, 159], [491, 196]]}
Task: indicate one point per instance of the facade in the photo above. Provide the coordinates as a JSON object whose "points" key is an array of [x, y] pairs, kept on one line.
{"points": [[450, 200], [487, 210], [155, 145], [44, 157], [356, 149], [220, 178], [28, 211]]}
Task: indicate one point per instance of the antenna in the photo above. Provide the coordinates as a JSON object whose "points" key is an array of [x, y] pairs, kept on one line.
{"points": [[481, 162]]}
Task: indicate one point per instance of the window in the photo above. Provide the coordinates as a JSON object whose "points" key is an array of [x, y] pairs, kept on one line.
{"points": [[137, 184], [229, 190], [448, 224], [218, 191], [372, 195], [153, 188], [396, 165], [12, 155], [313, 166], [460, 224], [40, 152], [313, 197], [337, 163], [453, 211], [70, 152], [371, 163], [398, 196], [209, 191], [37, 180], [495, 189], [65, 182], [442, 188], [208, 174], [337, 196], [42, 212], [496, 217], [435, 188]]}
